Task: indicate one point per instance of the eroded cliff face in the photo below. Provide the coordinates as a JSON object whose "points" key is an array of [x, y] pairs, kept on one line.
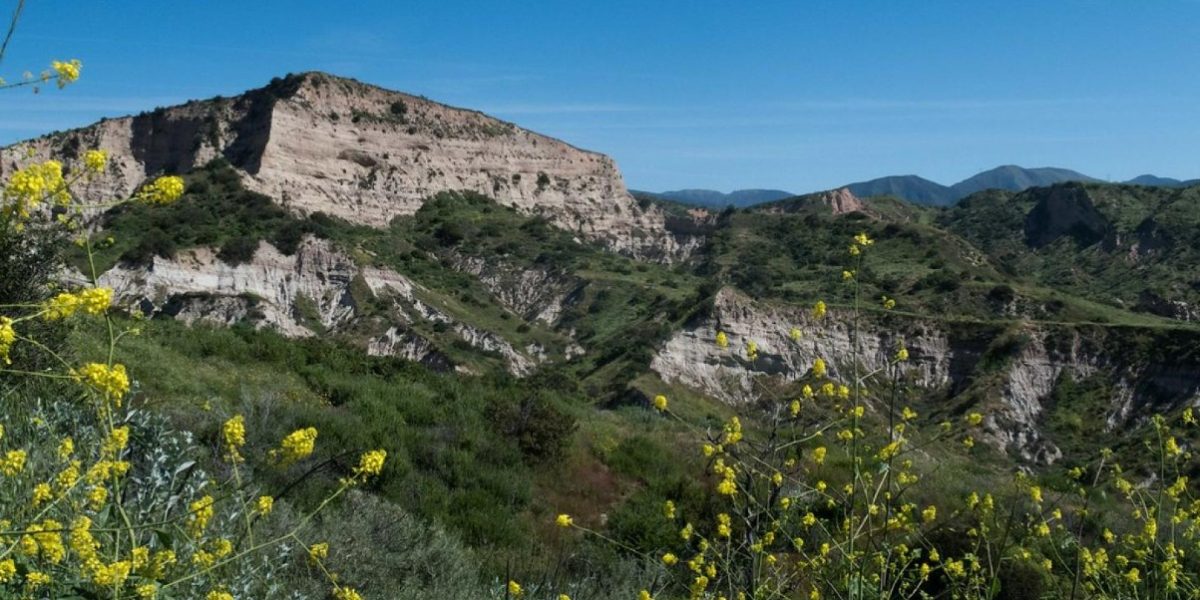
{"points": [[1016, 379], [318, 143], [317, 290]]}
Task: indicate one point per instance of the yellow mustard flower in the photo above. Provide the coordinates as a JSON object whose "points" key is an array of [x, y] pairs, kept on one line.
{"points": [[110, 382], [8, 336], [345, 593], [66, 72], [234, 433], [660, 402], [722, 340], [95, 160], [295, 446], [200, 511], [818, 368], [564, 520], [163, 190]]}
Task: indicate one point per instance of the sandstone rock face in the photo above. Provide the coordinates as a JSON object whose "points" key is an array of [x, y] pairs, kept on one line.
{"points": [[317, 290], [315, 142], [839, 201], [941, 361]]}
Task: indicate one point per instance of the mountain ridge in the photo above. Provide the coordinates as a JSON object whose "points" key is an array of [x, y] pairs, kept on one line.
{"points": [[321, 143]]}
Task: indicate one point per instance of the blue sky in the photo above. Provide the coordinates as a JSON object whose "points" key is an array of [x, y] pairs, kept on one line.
{"points": [[794, 95]]}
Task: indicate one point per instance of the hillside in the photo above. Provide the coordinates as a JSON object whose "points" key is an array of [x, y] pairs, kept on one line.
{"points": [[495, 310], [1128, 246], [909, 187]]}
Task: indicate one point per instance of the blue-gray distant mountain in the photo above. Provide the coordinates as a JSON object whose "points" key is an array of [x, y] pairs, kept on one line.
{"points": [[923, 191], [719, 199], [909, 187], [1155, 180], [1015, 179]]}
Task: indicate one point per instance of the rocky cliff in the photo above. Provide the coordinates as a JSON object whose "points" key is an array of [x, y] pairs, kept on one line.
{"points": [[316, 290], [319, 143], [1013, 370]]}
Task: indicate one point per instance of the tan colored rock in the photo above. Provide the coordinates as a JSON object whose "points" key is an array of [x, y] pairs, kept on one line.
{"points": [[315, 142]]}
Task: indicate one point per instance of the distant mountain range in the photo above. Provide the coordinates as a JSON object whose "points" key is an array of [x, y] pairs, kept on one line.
{"points": [[713, 198], [1008, 177], [920, 190]]}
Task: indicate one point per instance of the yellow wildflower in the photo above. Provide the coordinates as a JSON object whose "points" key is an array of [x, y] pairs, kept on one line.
{"points": [[795, 334], [819, 454], [60, 306], [66, 448], [13, 462], [163, 190], [234, 432], [819, 309], [722, 340], [36, 579], [200, 513], [66, 72], [847, 275], [345, 593], [929, 514], [8, 335], [752, 350], [264, 505], [669, 509], [564, 521], [515, 590], [42, 492], [95, 301], [660, 402], [297, 445], [95, 160], [147, 591], [669, 559], [110, 382], [318, 552], [219, 595], [974, 419], [818, 368], [370, 463]]}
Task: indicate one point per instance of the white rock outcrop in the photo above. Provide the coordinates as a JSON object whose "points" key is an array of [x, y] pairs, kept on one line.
{"points": [[307, 293]]}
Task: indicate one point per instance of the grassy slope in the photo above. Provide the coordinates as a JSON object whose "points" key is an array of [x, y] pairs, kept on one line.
{"points": [[1163, 221], [453, 462]]}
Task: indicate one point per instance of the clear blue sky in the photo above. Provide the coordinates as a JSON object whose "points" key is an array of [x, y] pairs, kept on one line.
{"points": [[793, 95]]}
